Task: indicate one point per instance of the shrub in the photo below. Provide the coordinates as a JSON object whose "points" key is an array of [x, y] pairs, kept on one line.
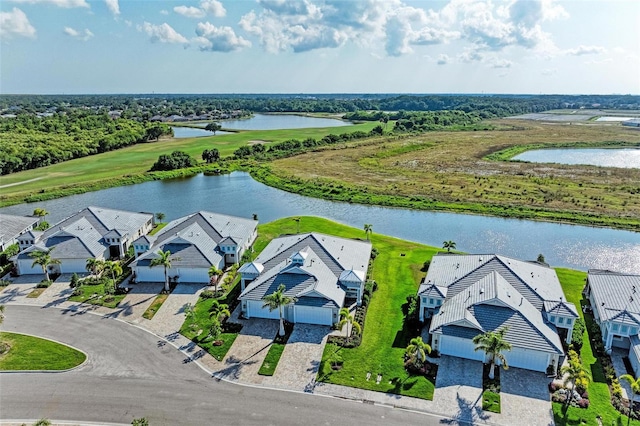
{"points": [[365, 300], [576, 337], [208, 294], [553, 386], [425, 266], [374, 253], [583, 403], [4, 283], [74, 281], [44, 284], [176, 160], [556, 397], [616, 389]]}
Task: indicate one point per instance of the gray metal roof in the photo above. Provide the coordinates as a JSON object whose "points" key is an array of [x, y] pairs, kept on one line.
{"points": [[560, 307], [492, 303], [203, 231], [616, 296], [12, 226], [635, 346], [323, 259]]}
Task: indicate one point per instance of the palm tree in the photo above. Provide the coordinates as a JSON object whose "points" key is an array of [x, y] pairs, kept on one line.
{"points": [[114, 268], [277, 300], [574, 373], [368, 230], [95, 266], [214, 275], [493, 343], [297, 220], [635, 390], [44, 259], [417, 351], [40, 212], [349, 320], [219, 310], [165, 260], [449, 245], [160, 216]]}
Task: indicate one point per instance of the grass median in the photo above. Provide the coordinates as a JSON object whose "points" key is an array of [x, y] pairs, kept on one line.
{"points": [[34, 353]]}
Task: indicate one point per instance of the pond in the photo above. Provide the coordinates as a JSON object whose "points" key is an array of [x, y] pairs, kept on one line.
{"points": [[282, 121], [190, 132], [578, 247], [614, 118], [624, 158]]}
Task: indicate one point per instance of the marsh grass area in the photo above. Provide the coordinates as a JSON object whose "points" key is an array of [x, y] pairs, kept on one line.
{"points": [[33, 353], [454, 171], [130, 165]]}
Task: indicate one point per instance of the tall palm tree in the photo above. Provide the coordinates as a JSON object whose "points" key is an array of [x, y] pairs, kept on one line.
{"points": [[219, 310], [493, 344], [349, 320], [214, 275], [160, 216], [449, 245], [40, 212], [44, 259], [95, 266], [574, 373], [277, 300], [635, 390], [368, 230], [164, 260], [417, 351], [114, 268]]}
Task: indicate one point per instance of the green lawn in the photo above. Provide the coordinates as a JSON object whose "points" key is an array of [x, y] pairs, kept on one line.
{"points": [[155, 306], [34, 353], [600, 400], [139, 158], [94, 295], [384, 339], [491, 401], [268, 367], [158, 227], [36, 292]]}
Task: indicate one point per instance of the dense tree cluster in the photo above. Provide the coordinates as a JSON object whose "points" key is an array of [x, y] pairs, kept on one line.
{"points": [[211, 155], [28, 141], [173, 161]]}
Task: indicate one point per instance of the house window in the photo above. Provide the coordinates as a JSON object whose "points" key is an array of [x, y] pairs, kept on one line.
{"points": [[552, 318], [568, 321], [615, 327], [633, 331], [560, 320], [424, 300], [431, 301], [624, 328], [438, 302]]}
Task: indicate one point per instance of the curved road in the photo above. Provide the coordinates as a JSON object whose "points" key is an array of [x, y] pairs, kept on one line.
{"points": [[132, 373]]}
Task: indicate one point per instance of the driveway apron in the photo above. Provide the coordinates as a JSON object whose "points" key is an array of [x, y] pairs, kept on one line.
{"points": [[140, 297], [171, 315], [20, 287], [524, 398]]}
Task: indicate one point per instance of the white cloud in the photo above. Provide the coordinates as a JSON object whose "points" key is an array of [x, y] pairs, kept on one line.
{"points": [[15, 24], [585, 50], [163, 33], [443, 59], [164, 12], [60, 3], [80, 35], [218, 39], [190, 11], [113, 6], [500, 63], [213, 7]]}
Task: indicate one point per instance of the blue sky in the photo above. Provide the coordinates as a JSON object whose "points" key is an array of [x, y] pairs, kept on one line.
{"points": [[320, 46]]}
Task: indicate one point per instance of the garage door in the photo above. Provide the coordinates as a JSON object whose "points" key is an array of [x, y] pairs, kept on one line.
{"points": [[463, 348], [188, 275], [69, 266], [313, 315], [527, 359], [146, 274], [24, 265], [255, 310]]}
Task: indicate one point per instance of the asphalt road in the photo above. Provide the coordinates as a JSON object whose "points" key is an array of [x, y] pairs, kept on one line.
{"points": [[131, 373]]}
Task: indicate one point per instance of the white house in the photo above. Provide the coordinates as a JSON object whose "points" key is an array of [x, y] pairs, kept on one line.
{"points": [[615, 299], [196, 242], [11, 227], [94, 232], [319, 271], [463, 296]]}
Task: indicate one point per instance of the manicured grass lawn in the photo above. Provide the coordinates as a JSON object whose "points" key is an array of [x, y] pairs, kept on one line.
{"points": [[94, 295], [36, 292], [600, 400], [384, 339], [158, 227], [33, 353], [491, 401], [155, 306], [270, 362], [195, 328]]}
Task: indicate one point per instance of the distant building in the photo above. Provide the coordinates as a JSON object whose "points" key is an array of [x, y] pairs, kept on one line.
{"points": [[11, 227], [632, 123]]}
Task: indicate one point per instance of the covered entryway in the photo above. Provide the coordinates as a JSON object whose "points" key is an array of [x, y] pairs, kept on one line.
{"points": [[313, 315]]}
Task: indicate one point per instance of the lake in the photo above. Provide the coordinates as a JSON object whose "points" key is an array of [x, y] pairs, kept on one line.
{"points": [[190, 132], [578, 247], [624, 158], [614, 118]]}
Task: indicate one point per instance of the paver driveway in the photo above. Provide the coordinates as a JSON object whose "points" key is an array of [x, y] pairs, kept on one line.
{"points": [[140, 297], [524, 398], [19, 288], [171, 315], [458, 390]]}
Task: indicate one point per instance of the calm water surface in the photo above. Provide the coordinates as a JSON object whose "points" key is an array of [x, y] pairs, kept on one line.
{"points": [[282, 121], [238, 194], [625, 158], [190, 132]]}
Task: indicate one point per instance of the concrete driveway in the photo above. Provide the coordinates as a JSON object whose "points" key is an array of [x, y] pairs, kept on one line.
{"points": [[524, 398], [300, 360], [20, 287], [140, 297], [170, 316]]}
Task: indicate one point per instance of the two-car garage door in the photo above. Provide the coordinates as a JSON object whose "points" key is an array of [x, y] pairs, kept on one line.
{"points": [[517, 357], [301, 314]]}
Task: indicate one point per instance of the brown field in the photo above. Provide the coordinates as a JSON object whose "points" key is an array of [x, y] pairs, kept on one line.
{"points": [[449, 167]]}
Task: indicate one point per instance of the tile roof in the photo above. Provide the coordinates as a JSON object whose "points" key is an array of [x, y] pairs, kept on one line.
{"points": [[11, 226], [616, 295], [560, 307]]}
